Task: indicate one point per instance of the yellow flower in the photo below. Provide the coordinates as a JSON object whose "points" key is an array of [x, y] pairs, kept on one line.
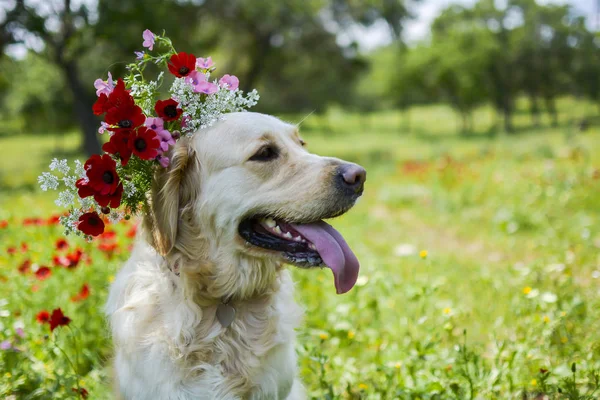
{"points": [[351, 334], [527, 290], [533, 382], [323, 336], [447, 310], [546, 319], [363, 386], [423, 254], [563, 314], [398, 365], [7, 375], [564, 340], [111, 278]]}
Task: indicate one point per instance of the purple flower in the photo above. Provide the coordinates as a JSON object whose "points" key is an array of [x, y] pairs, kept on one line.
{"points": [[105, 87], [230, 82], [200, 83], [20, 332], [166, 139], [139, 55], [164, 161], [156, 124], [148, 39], [5, 345], [204, 63], [103, 127]]}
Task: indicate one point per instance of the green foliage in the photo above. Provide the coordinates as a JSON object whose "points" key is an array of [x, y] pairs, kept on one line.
{"points": [[503, 304]]}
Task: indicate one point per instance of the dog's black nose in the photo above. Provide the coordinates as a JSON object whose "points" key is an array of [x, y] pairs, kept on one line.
{"points": [[353, 177]]}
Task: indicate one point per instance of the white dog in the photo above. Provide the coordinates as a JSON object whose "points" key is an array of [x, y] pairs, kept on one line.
{"points": [[203, 308]]}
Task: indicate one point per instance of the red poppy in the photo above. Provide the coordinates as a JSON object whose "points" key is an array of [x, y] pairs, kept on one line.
{"points": [[114, 200], [33, 221], [24, 267], [53, 220], [90, 223], [61, 244], [144, 143], [119, 97], [58, 319], [24, 247], [168, 110], [117, 146], [81, 391], [83, 294], [127, 117], [131, 232], [69, 261], [43, 273], [43, 317], [11, 250], [3, 224], [102, 174], [181, 64], [108, 247]]}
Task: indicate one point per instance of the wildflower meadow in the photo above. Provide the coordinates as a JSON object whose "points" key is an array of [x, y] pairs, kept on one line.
{"points": [[480, 267]]}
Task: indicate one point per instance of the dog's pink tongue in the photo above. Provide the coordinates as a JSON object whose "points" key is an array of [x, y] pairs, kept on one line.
{"points": [[334, 251]]}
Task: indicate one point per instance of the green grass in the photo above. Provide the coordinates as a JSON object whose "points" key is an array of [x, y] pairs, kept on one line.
{"points": [[508, 286]]}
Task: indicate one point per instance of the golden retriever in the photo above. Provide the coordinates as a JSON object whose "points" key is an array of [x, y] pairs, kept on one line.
{"points": [[203, 308]]}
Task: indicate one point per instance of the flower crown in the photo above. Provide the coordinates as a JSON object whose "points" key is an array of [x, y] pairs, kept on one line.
{"points": [[113, 186]]}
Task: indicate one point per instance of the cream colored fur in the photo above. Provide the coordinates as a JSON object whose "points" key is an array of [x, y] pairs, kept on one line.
{"points": [[189, 256]]}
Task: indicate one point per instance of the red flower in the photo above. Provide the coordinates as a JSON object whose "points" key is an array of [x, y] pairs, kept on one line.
{"points": [[54, 219], [91, 224], [33, 221], [112, 200], [35, 288], [131, 232], [81, 391], [168, 110], [127, 117], [181, 64], [25, 267], [119, 97], [58, 319], [144, 143], [11, 250], [43, 317], [61, 244], [102, 174], [3, 224], [24, 247], [83, 294], [117, 146], [43, 273]]}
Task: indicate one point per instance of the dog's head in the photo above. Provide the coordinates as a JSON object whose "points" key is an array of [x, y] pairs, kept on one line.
{"points": [[248, 187]]}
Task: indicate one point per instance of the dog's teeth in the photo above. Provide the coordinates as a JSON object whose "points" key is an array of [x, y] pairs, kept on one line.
{"points": [[298, 239], [277, 230], [270, 222], [287, 235]]}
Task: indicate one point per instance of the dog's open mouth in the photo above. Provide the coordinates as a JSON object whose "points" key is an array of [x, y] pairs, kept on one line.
{"points": [[305, 245]]}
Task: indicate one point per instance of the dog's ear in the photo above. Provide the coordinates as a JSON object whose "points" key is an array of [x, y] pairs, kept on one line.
{"points": [[168, 192]]}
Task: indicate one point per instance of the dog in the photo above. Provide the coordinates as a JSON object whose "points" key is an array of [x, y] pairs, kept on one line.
{"points": [[204, 309]]}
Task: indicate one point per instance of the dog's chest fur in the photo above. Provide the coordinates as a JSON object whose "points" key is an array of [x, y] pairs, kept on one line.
{"points": [[169, 347]]}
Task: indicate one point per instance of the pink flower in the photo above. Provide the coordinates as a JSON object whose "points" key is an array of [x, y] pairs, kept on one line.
{"points": [[166, 139], [105, 87], [103, 127], [204, 63], [200, 83], [230, 82], [164, 161], [148, 39], [156, 124]]}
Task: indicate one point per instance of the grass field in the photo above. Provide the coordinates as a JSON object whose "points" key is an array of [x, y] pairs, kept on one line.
{"points": [[480, 267]]}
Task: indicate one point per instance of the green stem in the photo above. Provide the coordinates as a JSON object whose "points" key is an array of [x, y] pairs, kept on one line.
{"points": [[71, 364]]}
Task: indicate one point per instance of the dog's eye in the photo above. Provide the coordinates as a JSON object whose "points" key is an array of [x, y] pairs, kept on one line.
{"points": [[266, 153]]}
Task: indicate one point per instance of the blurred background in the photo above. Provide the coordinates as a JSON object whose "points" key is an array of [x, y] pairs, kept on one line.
{"points": [[479, 230]]}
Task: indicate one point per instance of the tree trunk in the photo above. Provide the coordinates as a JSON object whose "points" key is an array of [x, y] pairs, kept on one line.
{"points": [[551, 108], [82, 108], [534, 110], [258, 56]]}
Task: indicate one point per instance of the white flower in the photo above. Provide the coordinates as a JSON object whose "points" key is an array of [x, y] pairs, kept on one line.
{"points": [[60, 165], [48, 181]]}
